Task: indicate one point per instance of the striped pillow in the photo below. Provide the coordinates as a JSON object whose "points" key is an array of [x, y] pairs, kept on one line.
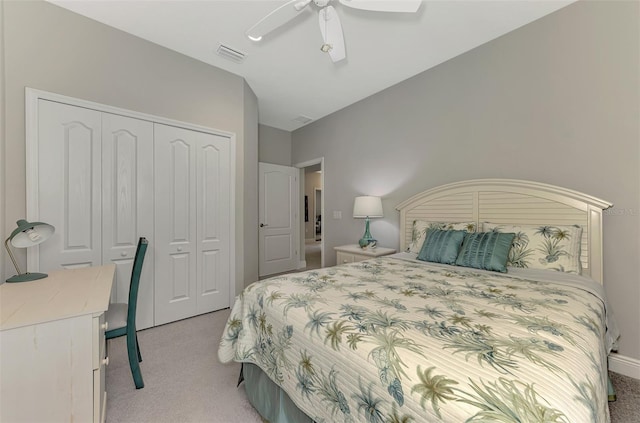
{"points": [[485, 250], [441, 246]]}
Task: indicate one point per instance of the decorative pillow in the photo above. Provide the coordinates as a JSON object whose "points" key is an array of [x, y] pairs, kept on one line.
{"points": [[441, 246], [485, 250], [420, 227], [543, 247]]}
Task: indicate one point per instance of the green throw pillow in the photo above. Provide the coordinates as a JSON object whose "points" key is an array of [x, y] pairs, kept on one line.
{"points": [[485, 250], [441, 246]]}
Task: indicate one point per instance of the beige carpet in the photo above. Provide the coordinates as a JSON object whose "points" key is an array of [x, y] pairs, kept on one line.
{"points": [[185, 382]]}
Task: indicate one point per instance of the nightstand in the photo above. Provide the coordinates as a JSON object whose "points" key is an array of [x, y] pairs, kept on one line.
{"points": [[353, 253]]}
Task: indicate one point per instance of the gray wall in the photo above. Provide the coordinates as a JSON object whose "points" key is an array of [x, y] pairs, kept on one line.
{"points": [[49, 48], [274, 145], [556, 101], [249, 259]]}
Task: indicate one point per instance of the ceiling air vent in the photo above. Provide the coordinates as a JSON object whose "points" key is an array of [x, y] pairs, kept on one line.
{"points": [[230, 53], [303, 119]]}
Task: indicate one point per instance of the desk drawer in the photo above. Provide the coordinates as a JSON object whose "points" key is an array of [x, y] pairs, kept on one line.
{"points": [[100, 362], [99, 341], [99, 393]]}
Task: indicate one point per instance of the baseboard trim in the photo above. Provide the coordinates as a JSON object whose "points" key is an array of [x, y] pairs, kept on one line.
{"points": [[624, 365]]}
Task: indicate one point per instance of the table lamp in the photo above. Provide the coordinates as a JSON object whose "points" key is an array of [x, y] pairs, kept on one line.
{"points": [[27, 234], [367, 207]]}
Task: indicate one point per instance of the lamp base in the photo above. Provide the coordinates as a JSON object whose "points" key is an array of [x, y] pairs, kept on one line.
{"points": [[366, 238], [367, 243], [26, 277]]}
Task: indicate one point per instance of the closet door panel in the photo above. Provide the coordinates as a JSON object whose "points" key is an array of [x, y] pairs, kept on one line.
{"points": [[127, 203], [181, 274], [69, 192], [181, 168], [175, 226], [213, 223]]}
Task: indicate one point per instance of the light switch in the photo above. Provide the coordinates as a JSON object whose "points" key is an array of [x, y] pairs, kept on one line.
{"points": [[337, 214]]}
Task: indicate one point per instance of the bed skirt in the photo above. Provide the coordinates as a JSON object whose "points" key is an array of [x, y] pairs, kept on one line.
{"points": [[273, 404]]}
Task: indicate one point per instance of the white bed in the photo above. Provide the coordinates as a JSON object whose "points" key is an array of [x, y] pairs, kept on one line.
{"points": [[398, 338]]}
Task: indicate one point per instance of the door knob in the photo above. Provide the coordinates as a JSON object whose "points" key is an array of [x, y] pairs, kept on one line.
{"points": [[262, 225], [123, 254]]}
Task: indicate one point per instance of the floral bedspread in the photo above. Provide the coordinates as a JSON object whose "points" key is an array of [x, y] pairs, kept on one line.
{"points": [[389, 340]]}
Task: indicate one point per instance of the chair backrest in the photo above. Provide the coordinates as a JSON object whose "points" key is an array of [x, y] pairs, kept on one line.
{"points": [[135, 283]]}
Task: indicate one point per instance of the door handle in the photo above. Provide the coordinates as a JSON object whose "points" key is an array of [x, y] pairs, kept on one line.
{"points": [[262, 225]]}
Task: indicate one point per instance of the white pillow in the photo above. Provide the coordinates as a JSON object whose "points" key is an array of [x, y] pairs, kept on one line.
{"points": [[549, 247], [419, 231]]}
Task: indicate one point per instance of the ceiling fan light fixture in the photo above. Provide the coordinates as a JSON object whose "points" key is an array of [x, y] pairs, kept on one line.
{"points": [[256, 39], [301, 5]]}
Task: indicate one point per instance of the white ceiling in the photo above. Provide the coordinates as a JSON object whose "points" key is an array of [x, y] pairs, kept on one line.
{"points": [[287, 71]]}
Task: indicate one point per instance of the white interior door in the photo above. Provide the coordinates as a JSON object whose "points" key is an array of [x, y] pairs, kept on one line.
{"points": [[192, 230], [69, 191], [213, 222], [175, 232], [278, 210], [127, 206]]}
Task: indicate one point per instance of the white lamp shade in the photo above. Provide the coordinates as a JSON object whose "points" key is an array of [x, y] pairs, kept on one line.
{"points": [[28, 234], [367, 206]]}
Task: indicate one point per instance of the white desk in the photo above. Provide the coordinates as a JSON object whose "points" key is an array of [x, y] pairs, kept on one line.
{"points": [[52, 346]]}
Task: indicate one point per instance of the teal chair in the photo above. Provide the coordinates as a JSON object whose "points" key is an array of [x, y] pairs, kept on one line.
{"points": [[121, 317]]}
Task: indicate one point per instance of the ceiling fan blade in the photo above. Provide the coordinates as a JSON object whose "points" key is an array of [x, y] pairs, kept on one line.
{"points": [[332, 35], [276, 18], [408, 6]]}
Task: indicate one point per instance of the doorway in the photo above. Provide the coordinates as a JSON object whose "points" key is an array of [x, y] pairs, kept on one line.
{"points": [[317, 207], [313, 225]]}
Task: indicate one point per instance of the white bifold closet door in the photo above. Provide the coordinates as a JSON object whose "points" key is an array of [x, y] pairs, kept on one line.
{"points": [[69, 193], [192, 231], [106, 178], [127, 207], [95, 186]]}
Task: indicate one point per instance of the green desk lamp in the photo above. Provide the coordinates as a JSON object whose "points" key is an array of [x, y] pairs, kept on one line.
{"points": [[366, 207], [27, 234]]}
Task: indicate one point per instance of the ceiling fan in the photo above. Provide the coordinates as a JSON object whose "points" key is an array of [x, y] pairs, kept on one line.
{"points": [[330, 26]]}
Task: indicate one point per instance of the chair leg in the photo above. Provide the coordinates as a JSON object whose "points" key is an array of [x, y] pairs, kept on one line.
{"points": [[133, 352], [138, 349]]}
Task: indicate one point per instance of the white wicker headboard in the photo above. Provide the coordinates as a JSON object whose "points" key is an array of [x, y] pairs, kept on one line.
{"points": [[510, 201]]}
